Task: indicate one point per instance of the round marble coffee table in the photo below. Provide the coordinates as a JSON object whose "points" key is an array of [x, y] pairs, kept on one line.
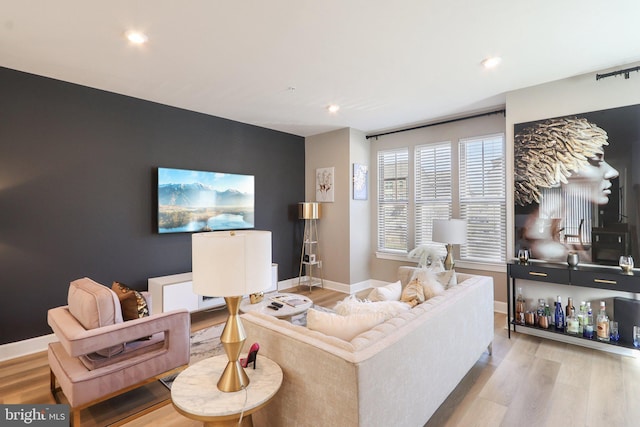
{"points": [[195, 393], [286, 311]]}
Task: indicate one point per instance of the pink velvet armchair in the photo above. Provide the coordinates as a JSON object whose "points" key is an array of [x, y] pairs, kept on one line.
{"points": [[99, 356]]}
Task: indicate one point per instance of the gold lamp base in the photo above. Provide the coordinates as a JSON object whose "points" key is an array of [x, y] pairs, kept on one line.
{"points": [[448, 261], [233, 378]]}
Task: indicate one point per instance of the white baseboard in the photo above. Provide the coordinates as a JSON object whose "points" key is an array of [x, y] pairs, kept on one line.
{"points": [[346, 289], [335, 286], [500, 307], [288, 284], [25, 347]]}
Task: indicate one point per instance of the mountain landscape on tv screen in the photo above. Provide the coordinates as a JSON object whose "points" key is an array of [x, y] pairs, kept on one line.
{"points": [[199, 195], [199, 207]]}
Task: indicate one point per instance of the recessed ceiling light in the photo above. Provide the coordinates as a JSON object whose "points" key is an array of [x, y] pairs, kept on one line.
{"points": [[491, 62], [136, 37], [333, 108]]}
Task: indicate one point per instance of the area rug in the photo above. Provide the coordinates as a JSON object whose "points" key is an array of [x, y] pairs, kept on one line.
{"points": [[206, 343]]}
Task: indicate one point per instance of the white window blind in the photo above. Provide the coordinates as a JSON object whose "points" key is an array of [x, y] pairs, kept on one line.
{"points": [[433, 195], [393, 200], [483, 198], [578, 211]]}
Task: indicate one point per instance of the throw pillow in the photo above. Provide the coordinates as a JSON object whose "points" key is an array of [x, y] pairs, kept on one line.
{"points": [[431, 287], [133, 303], [437, 266], [429, 281], [413, 293], [447, 278], [390, 292], [343, 327], [352, 305], [422, 275], [95, 306]]}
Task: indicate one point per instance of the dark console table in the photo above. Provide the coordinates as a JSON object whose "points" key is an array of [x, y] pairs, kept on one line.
{"points": [[581, 276]]}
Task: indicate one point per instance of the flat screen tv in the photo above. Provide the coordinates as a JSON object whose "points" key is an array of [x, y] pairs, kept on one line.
{"points": [[194, 201]]}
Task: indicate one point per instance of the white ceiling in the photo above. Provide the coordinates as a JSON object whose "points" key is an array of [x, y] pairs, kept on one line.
{"points": [[388, 64]]}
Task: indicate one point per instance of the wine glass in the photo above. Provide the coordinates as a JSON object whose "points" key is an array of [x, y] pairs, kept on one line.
{"points": [[626, 264], [523, 255]]}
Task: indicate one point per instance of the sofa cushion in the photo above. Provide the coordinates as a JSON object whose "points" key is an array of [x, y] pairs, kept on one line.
{"points": [[343, 327], [132, 302], [352, 305], [390, 292], [95, 360], [95, 306]]}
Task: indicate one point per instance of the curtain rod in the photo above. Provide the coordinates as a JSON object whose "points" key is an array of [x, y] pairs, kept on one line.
{"points": [[475, 116], [626, 72]]}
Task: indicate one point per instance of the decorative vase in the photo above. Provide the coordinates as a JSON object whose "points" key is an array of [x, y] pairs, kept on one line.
{"points": [[626, 264], [256, 297], [523, 256], [573, 259]]}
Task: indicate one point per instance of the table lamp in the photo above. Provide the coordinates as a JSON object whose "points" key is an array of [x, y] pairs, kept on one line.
{"points": [[450, 232], [231, 264]]}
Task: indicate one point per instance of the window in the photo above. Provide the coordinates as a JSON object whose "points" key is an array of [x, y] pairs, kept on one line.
{"points": [[433, 196], [483, 198], [464, 180], [393, 200]]}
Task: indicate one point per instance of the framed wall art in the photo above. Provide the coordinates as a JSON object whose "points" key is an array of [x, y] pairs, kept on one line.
{"points": [[576, 187], [360, 181], [325, 184]]}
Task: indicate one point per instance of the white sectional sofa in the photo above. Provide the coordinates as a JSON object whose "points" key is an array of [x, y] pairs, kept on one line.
{"points": [[395, 374]]}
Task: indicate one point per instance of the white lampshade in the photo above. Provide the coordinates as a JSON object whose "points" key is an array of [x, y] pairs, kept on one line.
{"points": [[450, 231], [232, 263]]}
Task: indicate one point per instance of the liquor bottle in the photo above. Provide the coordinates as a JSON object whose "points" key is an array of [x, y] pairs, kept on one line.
{"points": [[603, 324], [520, 307], [588, 323], [546, 321], [582, 313], [572, 322], [559, 316], [569, 306], [540, 312]]}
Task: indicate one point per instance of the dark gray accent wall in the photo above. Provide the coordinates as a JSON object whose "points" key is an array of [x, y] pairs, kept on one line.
{"points": [[78, 187]]}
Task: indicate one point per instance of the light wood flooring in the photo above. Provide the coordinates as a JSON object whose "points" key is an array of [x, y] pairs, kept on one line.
{"points": [[528, 381], [531, 381]]}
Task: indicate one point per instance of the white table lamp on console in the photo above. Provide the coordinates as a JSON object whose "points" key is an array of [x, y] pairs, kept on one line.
{"points": [[450, 232]]}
